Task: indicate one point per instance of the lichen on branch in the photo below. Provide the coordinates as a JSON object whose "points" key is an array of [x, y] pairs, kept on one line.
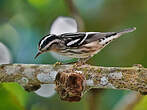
{"points": [[73, 81]]}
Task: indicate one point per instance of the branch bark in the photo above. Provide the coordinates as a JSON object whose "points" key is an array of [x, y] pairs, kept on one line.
{"points": [[73, 80]]}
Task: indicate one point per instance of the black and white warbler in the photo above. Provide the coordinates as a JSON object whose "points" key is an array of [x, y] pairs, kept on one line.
{"points": [[82, 45]]}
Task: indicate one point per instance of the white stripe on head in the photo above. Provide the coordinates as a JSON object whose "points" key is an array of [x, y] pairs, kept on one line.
{"points": [[72, 42], [57, 40], [108, 39], [45, 39]]}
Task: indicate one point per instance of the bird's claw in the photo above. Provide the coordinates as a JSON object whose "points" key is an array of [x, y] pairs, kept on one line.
{"points": [[57, 63], [79, 63]]}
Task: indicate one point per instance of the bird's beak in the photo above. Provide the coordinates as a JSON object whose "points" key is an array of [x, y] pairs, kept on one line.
{"points": [[37, 54]]}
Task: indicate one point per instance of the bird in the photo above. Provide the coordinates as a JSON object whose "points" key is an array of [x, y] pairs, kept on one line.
{"points": [[81, 45]]}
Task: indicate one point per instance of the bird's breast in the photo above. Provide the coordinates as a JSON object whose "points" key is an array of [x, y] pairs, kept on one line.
{"points": [[83, 51]]}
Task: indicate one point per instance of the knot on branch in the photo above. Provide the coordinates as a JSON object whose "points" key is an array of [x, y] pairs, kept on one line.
{"points": [[31, 88], [70, 85]]}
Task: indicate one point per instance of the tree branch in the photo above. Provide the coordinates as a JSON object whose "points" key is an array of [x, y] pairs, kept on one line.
{"points": [[75, 13], [73, 80]]}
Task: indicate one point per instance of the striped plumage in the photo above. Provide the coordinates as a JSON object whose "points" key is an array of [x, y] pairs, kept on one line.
{"points": [[80, 44]]}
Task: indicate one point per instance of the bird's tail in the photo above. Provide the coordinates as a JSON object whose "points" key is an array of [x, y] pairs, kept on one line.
{"points": [[127, 30], [113, 35]]}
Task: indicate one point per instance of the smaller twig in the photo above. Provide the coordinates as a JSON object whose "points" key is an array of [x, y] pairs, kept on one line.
{"points": [[75, 13]]}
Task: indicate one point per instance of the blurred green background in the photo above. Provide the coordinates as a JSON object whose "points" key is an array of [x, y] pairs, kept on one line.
{"points": [[24, 22]]}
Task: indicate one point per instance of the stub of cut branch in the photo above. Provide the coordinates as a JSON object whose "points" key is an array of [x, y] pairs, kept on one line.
{"points": [[73, 81]]}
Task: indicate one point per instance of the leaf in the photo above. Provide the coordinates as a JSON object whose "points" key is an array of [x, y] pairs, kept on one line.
{"points": [[142, 105], [63, 25], [13, 97]]}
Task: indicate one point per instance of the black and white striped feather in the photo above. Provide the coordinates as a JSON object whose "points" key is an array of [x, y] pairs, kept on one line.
{"points": [[82, 38], [80, 44]]}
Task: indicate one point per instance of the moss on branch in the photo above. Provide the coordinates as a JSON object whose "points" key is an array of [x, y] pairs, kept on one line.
{"points": [[75, 80]]}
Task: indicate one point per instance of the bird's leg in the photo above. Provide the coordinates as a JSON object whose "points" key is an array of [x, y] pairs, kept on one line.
{"points": [[82, 61], [71, 62], [57, 63]]}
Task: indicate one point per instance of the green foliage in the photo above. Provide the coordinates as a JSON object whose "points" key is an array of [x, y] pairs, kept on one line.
{"points": [[142, 105], [13, 97], [39, 3], [24, 22]]}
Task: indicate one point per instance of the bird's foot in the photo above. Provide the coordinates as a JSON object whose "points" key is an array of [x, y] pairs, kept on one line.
{"points": [[79, 63], [76, 63], [57, 63], [82, 61], [138, 66]]}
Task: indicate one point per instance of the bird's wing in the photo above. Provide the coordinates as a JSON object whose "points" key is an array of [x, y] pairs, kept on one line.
{"points": [[73, 39], [98, 36], [106, 37], [80, 38]]}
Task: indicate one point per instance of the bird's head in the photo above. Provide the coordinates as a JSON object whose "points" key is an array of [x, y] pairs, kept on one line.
{"points": [[49, 42]]}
